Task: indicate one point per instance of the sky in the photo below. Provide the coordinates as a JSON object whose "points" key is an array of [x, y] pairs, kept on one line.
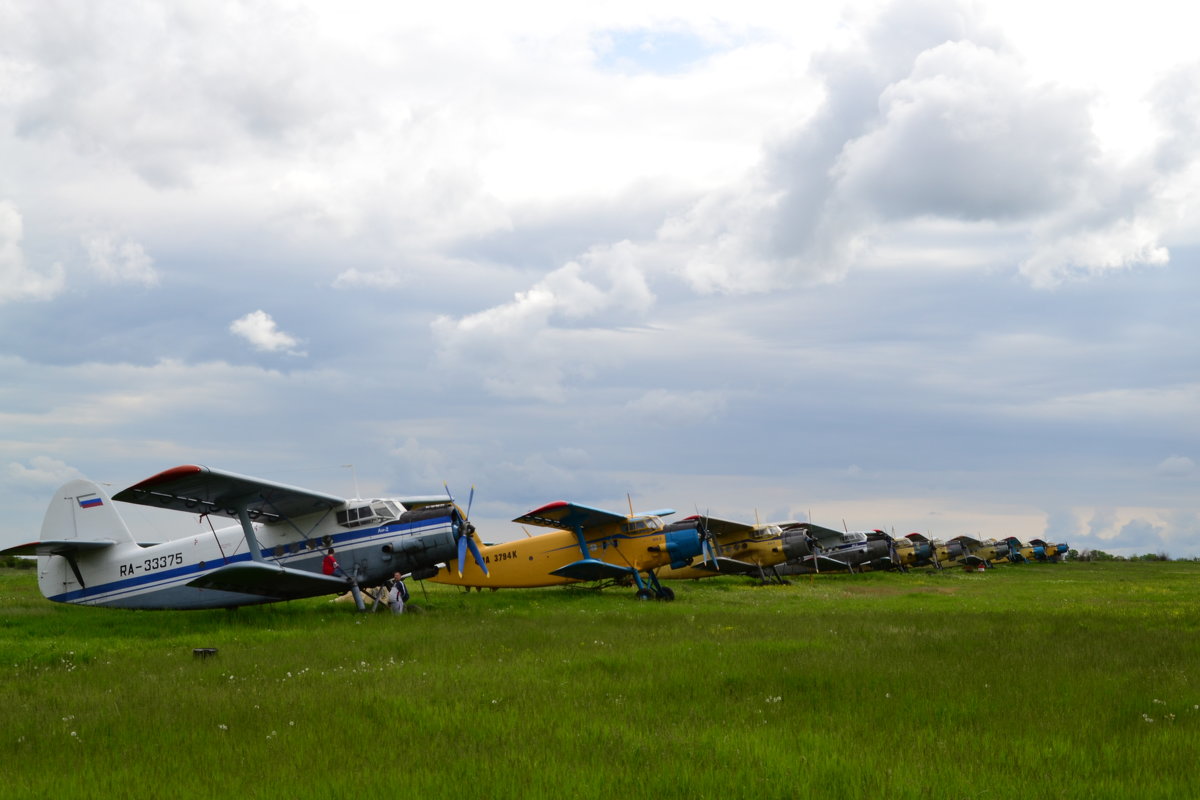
{"points": [[918, 265]]}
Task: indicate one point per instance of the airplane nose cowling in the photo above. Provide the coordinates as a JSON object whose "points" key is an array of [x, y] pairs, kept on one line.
{"points": [[795, 545], [682, 546]]}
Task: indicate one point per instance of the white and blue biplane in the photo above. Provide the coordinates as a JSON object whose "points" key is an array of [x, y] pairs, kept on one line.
{"points": [[87, 555]]}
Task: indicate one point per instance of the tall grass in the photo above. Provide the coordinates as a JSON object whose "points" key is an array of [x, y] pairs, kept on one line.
{"points": [[1070, 680]]}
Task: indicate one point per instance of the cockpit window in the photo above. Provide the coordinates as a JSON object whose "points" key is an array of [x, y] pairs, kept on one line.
{"points": [[354, 517], [385, 509], [643, 524]]}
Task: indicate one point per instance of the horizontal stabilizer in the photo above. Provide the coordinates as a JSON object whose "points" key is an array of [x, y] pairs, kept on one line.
{"points": [[270, 580], [592, 569], [60, 547]]}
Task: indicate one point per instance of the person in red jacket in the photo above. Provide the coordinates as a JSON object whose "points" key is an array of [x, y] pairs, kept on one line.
{"points": [[330, 565]]}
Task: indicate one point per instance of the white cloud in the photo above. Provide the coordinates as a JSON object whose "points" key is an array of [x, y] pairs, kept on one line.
{"points": [[17, 281], [1176, 467], [41, 471], [260, 331], [120, 261], [526, 347]]}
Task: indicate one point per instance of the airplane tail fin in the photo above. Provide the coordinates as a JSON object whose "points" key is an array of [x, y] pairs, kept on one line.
{"points": [[82, 510]]}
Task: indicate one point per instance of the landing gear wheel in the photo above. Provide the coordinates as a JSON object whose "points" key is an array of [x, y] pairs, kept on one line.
{"points": [[666, 593], [644, 594]]}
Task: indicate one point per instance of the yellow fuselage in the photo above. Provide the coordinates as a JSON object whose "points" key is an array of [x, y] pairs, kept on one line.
{"points": [[762, 552], [526, 563]]}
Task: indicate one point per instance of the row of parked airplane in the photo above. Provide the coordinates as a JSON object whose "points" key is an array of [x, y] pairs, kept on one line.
{"points": [[278, 549]]}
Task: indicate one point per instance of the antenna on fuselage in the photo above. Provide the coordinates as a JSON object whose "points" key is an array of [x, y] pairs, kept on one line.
{"points": [[354, 472]]}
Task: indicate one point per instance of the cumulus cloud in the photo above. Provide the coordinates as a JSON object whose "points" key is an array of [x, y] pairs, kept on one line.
{"points": [[120, 261], [931, 120], [17, 281], [1175, 467], [521, 348], [943, 121], [260, 330], [40, 471]]}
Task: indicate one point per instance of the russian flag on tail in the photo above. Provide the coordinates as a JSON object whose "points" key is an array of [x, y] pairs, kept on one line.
{"points": [[89, 501]]}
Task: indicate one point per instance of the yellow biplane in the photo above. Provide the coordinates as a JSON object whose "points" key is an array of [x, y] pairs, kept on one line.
{"points": [[1039, 550], [589, 544], [981, 553], [742, 549], [915, 550]]}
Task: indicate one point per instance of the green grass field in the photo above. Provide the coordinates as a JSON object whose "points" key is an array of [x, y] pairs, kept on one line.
{"points": [[1037, 681]]}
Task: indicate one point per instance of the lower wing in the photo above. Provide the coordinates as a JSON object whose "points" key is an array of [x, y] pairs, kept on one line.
{"points": [[269, 580], [592, 569]]}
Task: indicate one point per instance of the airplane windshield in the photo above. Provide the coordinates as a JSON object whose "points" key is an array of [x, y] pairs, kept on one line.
{"points": [[768, 532], [385, 509], [854, 537], [643, 524], [354, 517]]}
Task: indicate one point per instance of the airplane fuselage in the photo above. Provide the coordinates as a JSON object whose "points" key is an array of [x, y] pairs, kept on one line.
{"points": [[130, 575], [531, 562], [765, 547]]}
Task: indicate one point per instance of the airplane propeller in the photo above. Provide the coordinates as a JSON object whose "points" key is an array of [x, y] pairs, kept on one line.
{"points": [[811, 541], [708, 544], [465, 539]]}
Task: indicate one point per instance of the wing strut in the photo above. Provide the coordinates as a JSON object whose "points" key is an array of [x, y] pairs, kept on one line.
{"points": [[583, 546], [248, 529]]}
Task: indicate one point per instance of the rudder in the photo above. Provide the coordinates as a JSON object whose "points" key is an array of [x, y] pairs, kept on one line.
{"points": [[84, 511]]}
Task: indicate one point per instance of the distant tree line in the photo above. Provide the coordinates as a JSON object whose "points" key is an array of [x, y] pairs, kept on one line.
{"points": [[17, 562], [1100, 555]]}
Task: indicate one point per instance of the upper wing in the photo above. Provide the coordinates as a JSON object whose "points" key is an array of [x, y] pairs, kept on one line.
{"points": [[569, 516], [822, 534], [270, 580], [723, 527], [59, 547], [208, 491]]}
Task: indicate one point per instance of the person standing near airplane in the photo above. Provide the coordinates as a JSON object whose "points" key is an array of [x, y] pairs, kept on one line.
{"points": [[398, 594]]}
